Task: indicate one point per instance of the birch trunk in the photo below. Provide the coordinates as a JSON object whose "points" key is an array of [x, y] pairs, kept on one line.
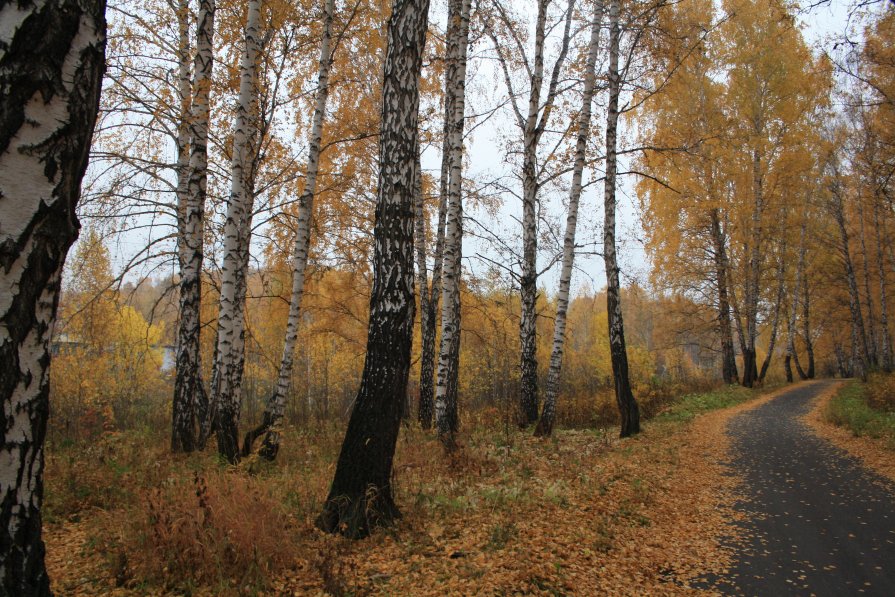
{"points": [[627, 405], [51, 66], [806, 325], [183, 415], [227, 380], [859, 336], [360, 497], [881, 241], [548, 416], [728, 356], [446, 416], [791, 354], [276, 405], [753, 284], [428, 317], [188, 381], [872, 357], [533, 127], [781, 286]]}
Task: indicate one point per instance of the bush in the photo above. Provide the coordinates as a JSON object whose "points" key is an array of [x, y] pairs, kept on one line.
{"points": [[881, 391], [221, 529]]}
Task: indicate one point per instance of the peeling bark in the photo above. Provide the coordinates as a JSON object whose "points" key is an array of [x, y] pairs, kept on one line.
{"points": [[51, 66]]}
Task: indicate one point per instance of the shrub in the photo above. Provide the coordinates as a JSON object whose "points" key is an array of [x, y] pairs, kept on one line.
{"points": [[221, 529], [881, 391]]}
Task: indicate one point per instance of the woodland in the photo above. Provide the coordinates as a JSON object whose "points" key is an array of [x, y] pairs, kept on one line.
{"points": [[355, 297]]}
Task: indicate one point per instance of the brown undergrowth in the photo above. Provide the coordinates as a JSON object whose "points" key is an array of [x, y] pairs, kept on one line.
{"points": [[875, 453], [581, 513]]}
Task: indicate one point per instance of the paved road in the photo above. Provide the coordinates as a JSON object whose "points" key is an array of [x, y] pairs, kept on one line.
{"points": [[819, 522]]}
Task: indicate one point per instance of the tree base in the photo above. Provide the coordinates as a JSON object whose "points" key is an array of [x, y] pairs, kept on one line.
{"points": [[544, 427], [356, 517]]}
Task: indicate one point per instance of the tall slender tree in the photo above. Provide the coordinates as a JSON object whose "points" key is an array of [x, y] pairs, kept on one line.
{"points": [[627, 404], [548, 416], [52, 57], [276, 405], [532, 125], [189, 386], [360, 497], [446, 407], [230, 350]]}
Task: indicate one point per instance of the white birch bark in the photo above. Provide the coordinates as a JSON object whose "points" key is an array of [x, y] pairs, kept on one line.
{"points": [[545, 424], [277, 403], [446, 417], [51, 66], [532, 126], [227, 381], [188, 355], [187, 376]]}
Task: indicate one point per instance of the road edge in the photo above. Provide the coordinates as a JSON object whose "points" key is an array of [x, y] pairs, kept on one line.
{"points": [[870, 451]]}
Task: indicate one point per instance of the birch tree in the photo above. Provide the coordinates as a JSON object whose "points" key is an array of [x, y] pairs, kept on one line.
{"points": [[51, 66], [190, 404], [532, 126], [792, 356], [230, 350], [837, 192], [276, 405], [548, 416], [189, 365], [360, 497], [429, 294], [446, 415], [627, 405]]}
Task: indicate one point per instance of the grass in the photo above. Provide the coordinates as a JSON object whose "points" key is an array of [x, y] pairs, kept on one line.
{"points": [[691, 405], [849, 408], [190, 523]]}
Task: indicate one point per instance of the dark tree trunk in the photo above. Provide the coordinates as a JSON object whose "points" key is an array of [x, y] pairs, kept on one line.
{"points": [[806, 327], [728, 356], [750, 370], [51, 66], [360, 498], [781, 286], [627, 405]]}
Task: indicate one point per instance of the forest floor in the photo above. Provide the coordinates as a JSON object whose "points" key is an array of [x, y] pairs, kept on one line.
{"points": [[817, 521], [581, 513]]}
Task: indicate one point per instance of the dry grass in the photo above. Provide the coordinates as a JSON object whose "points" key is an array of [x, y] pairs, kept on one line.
{"points": [[583, 512]]}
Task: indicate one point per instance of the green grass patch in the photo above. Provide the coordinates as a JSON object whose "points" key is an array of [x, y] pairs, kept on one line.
{"points": [[849, 408], [690, 405]]}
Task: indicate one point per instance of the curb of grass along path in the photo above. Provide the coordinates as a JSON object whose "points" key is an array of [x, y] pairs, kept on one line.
{"points": [[872, 452]]}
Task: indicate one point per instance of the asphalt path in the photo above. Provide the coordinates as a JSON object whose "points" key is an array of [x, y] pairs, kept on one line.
{"points": [[817, 521]]}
